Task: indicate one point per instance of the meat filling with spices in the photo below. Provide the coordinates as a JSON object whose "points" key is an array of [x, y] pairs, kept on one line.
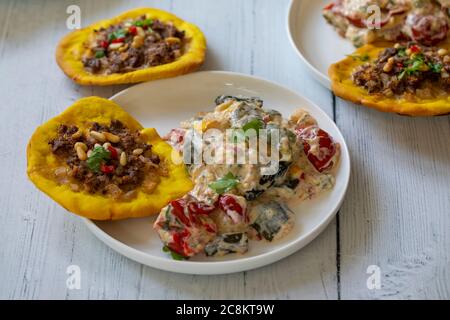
{"points": [[408, 70], [132, 45], [110, 160]]}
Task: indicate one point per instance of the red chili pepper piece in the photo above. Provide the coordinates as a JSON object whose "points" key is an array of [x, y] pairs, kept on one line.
{"points": [[229, 203], [415, 49], [118, 40], [104, 44], [133, 30], [113, 151], [106, 169]]}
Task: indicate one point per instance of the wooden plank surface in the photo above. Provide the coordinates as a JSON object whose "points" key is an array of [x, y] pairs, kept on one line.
{"points": [[396, 214]]}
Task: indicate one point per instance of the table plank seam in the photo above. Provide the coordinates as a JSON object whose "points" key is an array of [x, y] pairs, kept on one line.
{"points": [[338, 239]]}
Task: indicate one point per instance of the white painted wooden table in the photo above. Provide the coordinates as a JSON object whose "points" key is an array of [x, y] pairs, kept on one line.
{"points": [[396, 214]]}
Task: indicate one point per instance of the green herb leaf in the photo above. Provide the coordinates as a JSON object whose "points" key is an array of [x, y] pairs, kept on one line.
{"points": [[138, 23], [401, 52], [402, 74], [435, 67], [224, 184], [148, 22], [100, 54], [365, 57], [255, 124], [98, 156], [175, 255], [240, 135], [118, 34], [414, 65]]}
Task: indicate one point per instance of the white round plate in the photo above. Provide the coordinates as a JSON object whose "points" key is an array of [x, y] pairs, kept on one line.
{"points": [[163, 104], [315, 41]]}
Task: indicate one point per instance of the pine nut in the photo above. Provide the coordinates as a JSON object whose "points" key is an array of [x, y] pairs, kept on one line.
{"points": [[447, 59], [172, 40], [80, 145], [138, 151], [106, 145], [397, 46], [388, 67], [81, 154], [111, 137], [115, 46], [97, 145], [89, 153], [408, 52], [123, 159], [123, 48], [138, 41], [140, 31], [77, 134], [442, 52], [98, 136]]}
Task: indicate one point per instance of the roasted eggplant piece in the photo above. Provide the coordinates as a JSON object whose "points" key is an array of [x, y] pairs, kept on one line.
{"points": [[227, 243], [271, 220], [272, 179], [254, 100]]}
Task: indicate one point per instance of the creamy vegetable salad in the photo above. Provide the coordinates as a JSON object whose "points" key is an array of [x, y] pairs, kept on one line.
{"points": [[233, 202]]}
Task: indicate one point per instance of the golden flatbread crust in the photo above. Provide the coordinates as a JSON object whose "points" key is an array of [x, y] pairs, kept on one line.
{"points": [[70, 50], [343, 86], [41, 164]]}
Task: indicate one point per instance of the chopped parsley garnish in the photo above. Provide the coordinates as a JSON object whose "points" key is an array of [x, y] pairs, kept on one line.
{"points": [[435, 67], [414, 65], [240, 135], [175, 255], [148, 22], [417, 63], [224, 184], [401, 52], [143, 23], [100, 54], [255, 124], [98, 156], [363, 58], [118, 34]]}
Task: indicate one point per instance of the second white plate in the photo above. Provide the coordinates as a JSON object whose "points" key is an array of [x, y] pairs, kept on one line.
{"points": [[316, 42], [163, 104]]}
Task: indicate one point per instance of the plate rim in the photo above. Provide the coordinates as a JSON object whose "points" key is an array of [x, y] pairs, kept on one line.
{"points": [[230, 266], [319, 76]]}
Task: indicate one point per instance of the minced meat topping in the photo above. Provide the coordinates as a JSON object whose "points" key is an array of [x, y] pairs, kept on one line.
{"points": [[110, 160], [132, 45], [409, 70]]}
